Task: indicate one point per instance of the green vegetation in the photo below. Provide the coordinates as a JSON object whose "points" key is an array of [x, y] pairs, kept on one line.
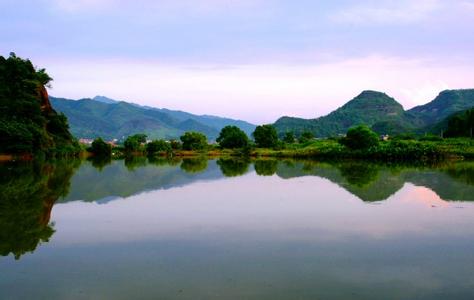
{"points": [[100, 148], [109, 119], [265, 136], [158, 146], [306, 136], [360, 137], [461, 124], [193, 141], [232, 137], [194, 165], [289, 137], [28, 123], [382, 113], [133, 143]]}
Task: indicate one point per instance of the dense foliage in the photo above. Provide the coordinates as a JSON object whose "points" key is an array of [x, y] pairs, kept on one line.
{"points": [[100, 148], [28, 123], [360, 137], [461, 124], [133, 143], [265, 136], [232, 137], [289, 137], [193, 141], [382, 113], [158, 146]]}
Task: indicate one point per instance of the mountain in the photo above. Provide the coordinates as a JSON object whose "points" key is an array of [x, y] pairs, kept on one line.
{"points": [[445, 104], [368, 108], [111, 119], [383, 113]]}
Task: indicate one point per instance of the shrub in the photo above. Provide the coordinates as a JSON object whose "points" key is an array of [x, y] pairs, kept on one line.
{"points": [[232, 137], [194, 141], [158, 146], [360, 137], [100, 148], [265, 136]]}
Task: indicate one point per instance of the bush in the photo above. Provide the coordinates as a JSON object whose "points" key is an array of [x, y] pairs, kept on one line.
{"points": [[194, 141], [306, 137], [360, 137], [100, 148], [133, 143], [265, 136], [158, 146], [232, 137], [289, 137], [431, 138]]}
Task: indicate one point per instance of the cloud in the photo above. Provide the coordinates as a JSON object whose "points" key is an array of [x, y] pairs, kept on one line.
{"points": [[405, 11]]}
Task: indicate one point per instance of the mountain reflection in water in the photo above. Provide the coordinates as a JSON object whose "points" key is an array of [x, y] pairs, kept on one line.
{"points": [[28, 191]]}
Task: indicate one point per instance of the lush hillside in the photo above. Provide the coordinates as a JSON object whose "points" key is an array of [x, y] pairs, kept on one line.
{"points": [[445, 104], [110, 119], [382, 113], [28, 123], [368, 108]]}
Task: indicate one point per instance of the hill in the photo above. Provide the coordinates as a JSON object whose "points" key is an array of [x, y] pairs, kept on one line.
{"points": [[368, 108], [111, 119], [28, 123], [445, 104], [383, 113]]}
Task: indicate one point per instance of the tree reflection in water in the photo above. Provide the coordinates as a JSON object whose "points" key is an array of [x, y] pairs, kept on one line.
{"points": [[28, 192]]}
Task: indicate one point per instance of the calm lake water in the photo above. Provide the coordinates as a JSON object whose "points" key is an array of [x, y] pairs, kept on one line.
{"points": [[235, 229]]}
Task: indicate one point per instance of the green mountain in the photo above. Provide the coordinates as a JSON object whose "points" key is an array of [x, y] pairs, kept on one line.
{"points": [[383, 113], [445, 104], [28, 123], [108, 118], [368, 108]]}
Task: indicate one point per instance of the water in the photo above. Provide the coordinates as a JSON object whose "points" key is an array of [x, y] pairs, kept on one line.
{"points": [[235, 229]]}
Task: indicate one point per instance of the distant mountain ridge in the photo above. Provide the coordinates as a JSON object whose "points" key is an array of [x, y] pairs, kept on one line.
{"points": [[109, 118], [383, 113]]}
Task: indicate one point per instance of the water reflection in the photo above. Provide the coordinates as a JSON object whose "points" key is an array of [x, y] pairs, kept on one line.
{"points": [[232, 167], [28, 192]]}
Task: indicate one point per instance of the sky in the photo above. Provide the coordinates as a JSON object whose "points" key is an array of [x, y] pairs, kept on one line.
{"points": [[255, 60]]}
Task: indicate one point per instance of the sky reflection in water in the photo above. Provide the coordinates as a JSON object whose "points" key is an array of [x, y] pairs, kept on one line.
{"points": [[270, 230]]}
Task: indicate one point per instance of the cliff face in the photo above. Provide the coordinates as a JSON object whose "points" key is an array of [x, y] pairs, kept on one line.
{"points": [[44, 99]]}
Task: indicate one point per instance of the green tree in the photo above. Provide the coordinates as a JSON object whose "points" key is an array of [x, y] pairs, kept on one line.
{"points": [[232, 137], [289, 137], [193, 141], [265, 136], [360, 137], [306, 136], [100, 148], [28, 123], [133, 143], [157, 146]]}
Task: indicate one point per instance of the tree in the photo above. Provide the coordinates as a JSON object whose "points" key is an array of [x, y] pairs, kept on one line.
{"points": [[133, 143], [232, 137], [158, 146], [306, 136], [289, 137], [360, 137], [193, 140], [265, 136], [100, 148]]}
